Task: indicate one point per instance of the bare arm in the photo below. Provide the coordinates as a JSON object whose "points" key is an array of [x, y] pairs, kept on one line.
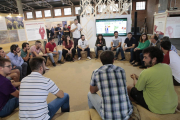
{"points": [[119, 45], [74, 29], [133, 46], [111, 44], [15, 94], [37, 55], [124, 45], [65, 48], [60, 94], [94, 89], [27, 57], [79, 47]]}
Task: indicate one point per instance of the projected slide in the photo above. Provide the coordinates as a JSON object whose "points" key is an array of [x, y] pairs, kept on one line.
{"points": [[106, 27]]}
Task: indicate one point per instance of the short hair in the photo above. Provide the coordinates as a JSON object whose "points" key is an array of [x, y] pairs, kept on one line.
{"points": [[82, 36], [75, 19], [107, 57], [166, 45], [51, 38], [165, 38], [130, 33], [58, 24], [155, 37], [65, 24], [14, 47], [154, 52], [1, 48], [115, 32], [36, 62], [37, 41], [24, 44], [3, 61]]}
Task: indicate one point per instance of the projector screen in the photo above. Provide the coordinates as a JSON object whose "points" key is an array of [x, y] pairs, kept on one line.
{"points": [[106, 27]]}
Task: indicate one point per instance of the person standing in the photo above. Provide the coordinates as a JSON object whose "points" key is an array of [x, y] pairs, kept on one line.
{"points": [[58, 33], [76, 29], [65, 30]]}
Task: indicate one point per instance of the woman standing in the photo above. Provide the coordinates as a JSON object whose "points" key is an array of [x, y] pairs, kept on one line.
{"points": [[68, 47], [143, 43], [100, 44]]}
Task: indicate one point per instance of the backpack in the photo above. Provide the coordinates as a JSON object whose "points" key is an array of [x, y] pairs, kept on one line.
{"points": [[69, 58]]}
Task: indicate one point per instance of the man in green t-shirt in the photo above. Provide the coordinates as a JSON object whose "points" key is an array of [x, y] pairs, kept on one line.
{"points": [[26, 55], [154, 89]]}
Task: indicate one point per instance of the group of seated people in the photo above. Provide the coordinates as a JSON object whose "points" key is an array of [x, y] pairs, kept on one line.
{"points": [[153, 89]]}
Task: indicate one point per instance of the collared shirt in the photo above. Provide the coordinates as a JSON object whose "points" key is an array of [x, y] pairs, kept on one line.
{"points": [[173, 48], [24, 54], [111, 82], [15, 59], [32, 97]]}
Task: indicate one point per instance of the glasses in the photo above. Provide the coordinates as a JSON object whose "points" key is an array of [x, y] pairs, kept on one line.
{"points": [[9, 66]]}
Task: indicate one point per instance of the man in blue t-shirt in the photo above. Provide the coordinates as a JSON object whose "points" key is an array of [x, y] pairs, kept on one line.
{"points": [[7, 103], [131, 43]]}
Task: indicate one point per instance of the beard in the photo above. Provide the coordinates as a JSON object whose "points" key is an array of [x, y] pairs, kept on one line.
{"points": [[44, 71], [149, 64]]}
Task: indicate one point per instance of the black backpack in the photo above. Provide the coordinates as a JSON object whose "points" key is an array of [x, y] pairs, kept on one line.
{"points": [[69, 58]]}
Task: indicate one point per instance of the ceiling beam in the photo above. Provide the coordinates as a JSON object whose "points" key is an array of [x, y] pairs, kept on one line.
{"points": [[5, 8]]}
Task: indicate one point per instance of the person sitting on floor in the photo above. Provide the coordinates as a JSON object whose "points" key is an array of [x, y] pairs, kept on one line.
{"points": [[83, 46], [36, 49], [154, 42], [100, 44], [110, 80], [154, 89], [34, 91], [68, 47], [116, 44], [50, 46], [15, 73], [7, 104], [26, 55], [131, 43], [166, 38], [143, 43], [173, 60], [16, 60]]}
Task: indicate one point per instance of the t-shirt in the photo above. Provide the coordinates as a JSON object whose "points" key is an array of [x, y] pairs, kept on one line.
{"points": [[76, 33], [68, 46], [83, 44], [130, 42], [50, 46], [24, 54], [116, 41], [158, 90], [65, 29], [57, 29], [33, 49], [6, 88], [33, 93], [175, 65]]}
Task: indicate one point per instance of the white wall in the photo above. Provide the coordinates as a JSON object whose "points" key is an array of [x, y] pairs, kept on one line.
{"points": [[90, 28]]}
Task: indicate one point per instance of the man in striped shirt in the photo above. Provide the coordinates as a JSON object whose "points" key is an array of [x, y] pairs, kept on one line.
{"points": [[34, 91]]}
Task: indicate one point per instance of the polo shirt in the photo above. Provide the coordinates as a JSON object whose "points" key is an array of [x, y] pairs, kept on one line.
{"points": [[33, 49], [76, 33], [116, 41], [6, 88], [50, 46], [158, 90], [32, 97], [24, 53], [130, 42]]}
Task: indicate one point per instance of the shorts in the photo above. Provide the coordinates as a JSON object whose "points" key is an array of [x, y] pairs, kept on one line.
{"points": [[138, 97]]}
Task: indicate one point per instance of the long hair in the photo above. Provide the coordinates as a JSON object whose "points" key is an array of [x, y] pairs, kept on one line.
{"points": [[65, 39], [98, 37], [141, 40]]}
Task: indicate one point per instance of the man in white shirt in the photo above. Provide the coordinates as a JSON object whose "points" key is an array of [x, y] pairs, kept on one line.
{"points": [[173, 60], [76, 29], [116, 44], [34, 91], [83, 46]]}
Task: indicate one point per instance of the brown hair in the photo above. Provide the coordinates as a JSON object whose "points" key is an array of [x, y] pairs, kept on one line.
{"points": [[141, 40], [36, 62], [3, 61]]}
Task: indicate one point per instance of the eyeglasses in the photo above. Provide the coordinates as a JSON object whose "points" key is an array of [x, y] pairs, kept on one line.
{"points": [[9, 66]]}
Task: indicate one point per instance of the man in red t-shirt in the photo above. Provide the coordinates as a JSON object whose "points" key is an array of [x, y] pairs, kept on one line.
{"points": [[50, 46]]}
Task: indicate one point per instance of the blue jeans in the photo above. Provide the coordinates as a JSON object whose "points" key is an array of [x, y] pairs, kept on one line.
{"points": [[94, 102], [141, 57], [59, 39], [128, 50], [10, 106], [51, 55], [96, 49], [54, 106], [117, 51]]}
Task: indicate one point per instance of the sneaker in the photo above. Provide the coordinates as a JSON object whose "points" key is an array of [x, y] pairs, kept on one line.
{"points": [[142, 67], [122, 59], [54, 64], [115, 58], [46, 68], [60, 62], [79, 58], [89, 58]]}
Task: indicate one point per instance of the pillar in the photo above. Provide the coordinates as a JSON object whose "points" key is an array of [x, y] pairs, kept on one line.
{"points": [[19, 6]]}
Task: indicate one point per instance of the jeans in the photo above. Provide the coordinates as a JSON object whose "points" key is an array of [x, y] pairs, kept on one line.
{"points": [[79, 52], [45, 57], [75, 42], [141, 57], [51, 55], [10, 106], [96, 49], [117, 51], [73, 51], [128, 50], [54, 106], [137, 56], [59, 39], [94, 101], [28, 67]]}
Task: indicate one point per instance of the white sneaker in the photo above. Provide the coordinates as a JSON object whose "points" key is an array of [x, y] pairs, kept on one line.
{"points": [[79, 58], [89, 58], [46, 68]]}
